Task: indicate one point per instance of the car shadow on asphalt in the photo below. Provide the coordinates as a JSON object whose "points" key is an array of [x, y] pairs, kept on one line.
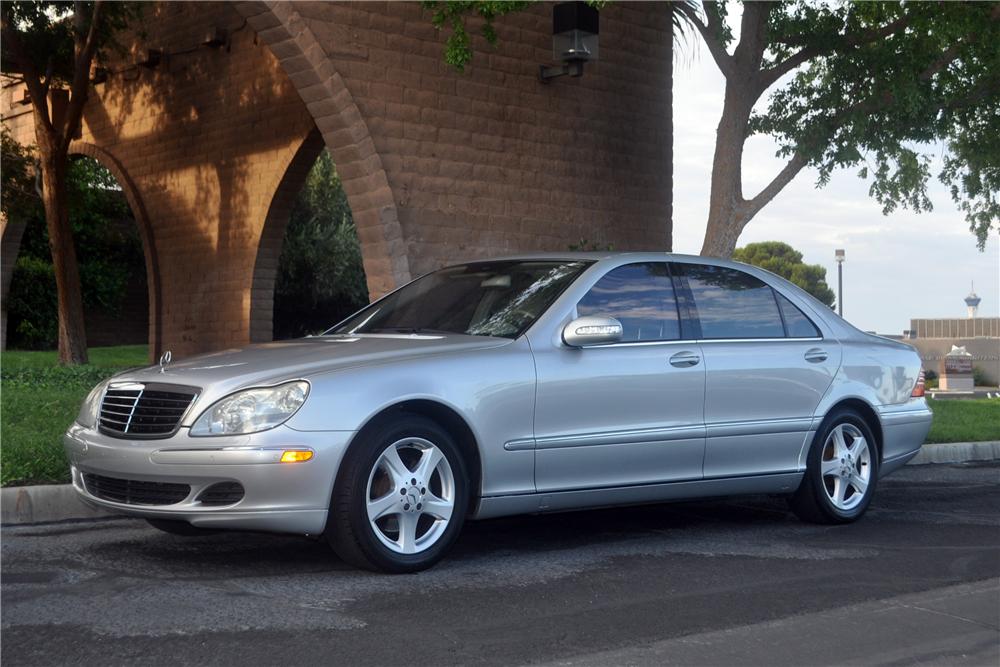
{"points": [[265, 553]]}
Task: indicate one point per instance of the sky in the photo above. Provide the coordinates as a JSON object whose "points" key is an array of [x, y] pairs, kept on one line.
{"points": [[901, 266]]}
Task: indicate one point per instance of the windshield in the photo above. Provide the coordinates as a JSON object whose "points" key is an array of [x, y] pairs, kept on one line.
{"points": [[481, 299]]}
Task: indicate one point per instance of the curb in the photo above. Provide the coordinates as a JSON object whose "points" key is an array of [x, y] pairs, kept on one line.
{"points": [[45, 503], [957, 452]]}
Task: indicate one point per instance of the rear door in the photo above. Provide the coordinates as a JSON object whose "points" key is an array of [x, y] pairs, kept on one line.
{"points": [[767, 368]]}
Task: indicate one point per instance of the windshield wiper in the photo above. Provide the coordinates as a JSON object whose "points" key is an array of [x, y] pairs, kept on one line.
{"points": [[408, 330]]}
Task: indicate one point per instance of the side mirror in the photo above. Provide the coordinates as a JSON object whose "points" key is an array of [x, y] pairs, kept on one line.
{"points": [[592, 330]]}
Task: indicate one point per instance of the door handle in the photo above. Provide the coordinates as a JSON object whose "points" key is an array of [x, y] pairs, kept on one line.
{"points": [[816, 355], [684, 359]]}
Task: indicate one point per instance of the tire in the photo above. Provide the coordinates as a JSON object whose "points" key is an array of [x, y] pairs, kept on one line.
{"points": [[840, 478], [182, 528], [419, 509]]}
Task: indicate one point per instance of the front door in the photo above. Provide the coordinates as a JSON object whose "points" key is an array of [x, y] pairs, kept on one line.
{"points": [[626, 413]]}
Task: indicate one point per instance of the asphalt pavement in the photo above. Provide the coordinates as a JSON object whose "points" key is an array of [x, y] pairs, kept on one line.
{"points": [[737, 581]]}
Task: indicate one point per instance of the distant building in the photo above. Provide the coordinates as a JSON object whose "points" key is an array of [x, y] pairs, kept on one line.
{"points": [[933, 339]]}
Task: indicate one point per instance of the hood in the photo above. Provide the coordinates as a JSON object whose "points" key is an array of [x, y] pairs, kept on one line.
{"points": [[220, 373]]}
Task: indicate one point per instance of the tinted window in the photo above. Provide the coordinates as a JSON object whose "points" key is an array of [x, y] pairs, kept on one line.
{"points": [[731, 304], [641, 297], [796, 323], [501, 298]]}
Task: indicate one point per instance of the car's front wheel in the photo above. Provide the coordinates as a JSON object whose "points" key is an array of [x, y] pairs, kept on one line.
{"points": [[841, 471], [401, 497]]}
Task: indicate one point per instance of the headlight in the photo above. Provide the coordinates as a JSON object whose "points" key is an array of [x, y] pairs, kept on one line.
{"points": [[87, 416], [252, 410]]}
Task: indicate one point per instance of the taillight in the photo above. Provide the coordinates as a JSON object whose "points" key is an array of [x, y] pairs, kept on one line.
{"points": [[918, 389]]}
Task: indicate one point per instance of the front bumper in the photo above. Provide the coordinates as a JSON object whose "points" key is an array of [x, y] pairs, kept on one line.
{"points": [[278, 497]]}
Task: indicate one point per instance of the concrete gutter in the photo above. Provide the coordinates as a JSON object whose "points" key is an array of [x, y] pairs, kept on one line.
{"points": [[59, 502]]}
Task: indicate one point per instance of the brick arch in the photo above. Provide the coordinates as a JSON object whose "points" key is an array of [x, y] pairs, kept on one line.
{"points": [[132, 196], [346, 135], [265, 269]]}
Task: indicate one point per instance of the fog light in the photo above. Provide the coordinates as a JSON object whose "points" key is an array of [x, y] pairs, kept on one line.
{"points": [[296, 455]]}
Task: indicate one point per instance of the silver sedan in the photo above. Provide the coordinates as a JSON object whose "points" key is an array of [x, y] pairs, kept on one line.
{"points": [[528, 384]]}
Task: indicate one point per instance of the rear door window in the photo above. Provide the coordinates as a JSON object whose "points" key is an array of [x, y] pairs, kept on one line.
{"points": [[730, 303]]}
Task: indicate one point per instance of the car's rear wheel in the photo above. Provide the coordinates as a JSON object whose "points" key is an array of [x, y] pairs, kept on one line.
{"points": [[401, 497], [841, 472]]}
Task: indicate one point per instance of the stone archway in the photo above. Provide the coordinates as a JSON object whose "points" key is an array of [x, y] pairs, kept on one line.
{"points": [[108, 161], [269, 250], [346, 134]]}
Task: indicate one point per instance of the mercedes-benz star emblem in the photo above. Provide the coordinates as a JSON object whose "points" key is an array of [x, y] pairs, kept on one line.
{"points": [[164, 360]]}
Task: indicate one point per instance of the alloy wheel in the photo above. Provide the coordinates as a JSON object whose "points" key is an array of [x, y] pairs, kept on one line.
{"points": [[846, 466], [410, 495]]}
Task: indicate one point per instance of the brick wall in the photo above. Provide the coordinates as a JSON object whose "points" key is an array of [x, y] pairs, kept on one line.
{"points": [[492, 161], [438, 166]]}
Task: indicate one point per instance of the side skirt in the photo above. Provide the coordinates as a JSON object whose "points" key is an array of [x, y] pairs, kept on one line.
{"points": [[496, 506]]}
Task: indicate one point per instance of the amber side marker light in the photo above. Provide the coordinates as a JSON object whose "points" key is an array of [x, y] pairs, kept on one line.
{"points": [[918, 389], [295, 456]]}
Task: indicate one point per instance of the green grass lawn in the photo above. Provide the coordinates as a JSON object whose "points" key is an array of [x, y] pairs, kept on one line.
{"points": [[39, 400], [964, 420]]}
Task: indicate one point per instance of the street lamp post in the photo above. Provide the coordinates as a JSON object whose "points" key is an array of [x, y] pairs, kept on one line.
{"points": [[840, 257]]}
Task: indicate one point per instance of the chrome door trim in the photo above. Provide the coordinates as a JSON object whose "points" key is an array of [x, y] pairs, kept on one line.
{"points": [[758, 427], [519, 445], [632, 436]]}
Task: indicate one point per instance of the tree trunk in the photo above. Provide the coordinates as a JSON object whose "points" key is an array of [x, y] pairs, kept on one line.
{"points": [[727, 209], [72, 334]]}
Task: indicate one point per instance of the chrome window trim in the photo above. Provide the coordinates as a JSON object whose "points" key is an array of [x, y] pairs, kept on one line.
{"points": [[698, 341], [755, 340]]}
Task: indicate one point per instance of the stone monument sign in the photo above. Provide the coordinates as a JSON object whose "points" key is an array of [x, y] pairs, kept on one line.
{"points": [[956, 370]]}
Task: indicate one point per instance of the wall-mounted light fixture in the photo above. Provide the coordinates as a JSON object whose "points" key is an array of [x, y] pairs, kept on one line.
{"points": [[575, 26]]}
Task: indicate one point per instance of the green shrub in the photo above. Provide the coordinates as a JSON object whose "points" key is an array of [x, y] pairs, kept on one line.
{"points": [[321, 279], [109, 253], [33, 318]]}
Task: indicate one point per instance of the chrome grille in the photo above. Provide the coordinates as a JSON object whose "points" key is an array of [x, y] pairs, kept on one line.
{"points": [[137, 410], [135, 492]]}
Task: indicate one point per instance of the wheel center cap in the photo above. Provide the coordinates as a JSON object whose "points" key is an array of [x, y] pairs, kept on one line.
{"points": [[413, 497]]}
